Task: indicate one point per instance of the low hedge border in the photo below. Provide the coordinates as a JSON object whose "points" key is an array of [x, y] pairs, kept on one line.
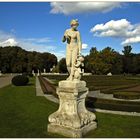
{"points": [[126, 95], [129, 106]]}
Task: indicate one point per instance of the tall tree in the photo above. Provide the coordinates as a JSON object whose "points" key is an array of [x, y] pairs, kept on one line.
{"points": [[127, 59], [127, 50]]}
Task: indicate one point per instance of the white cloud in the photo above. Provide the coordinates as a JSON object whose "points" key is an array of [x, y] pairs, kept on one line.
{"points": [[69, 8], [30, 44], [84, 46], [118, 28], [38, 40], [9, 42], [131, 40], [7, 39], [122, 28]]}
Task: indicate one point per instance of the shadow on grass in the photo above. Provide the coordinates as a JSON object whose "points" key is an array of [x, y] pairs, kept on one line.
{"points": [[29, 84]]}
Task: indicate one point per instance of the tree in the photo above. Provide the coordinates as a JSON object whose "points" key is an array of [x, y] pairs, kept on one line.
{"points": [[15, 59], [62, 66], [127, 59], [104, 61], [127, 50]]}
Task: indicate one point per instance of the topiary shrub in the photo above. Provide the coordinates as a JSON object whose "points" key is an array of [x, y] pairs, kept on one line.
{"points": [[20, 80]]}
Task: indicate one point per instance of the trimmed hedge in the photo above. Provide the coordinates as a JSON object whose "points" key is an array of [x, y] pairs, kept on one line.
{"points": [[118, 105], [106, 84], [110, 85], [20, 80], [126, 95]]}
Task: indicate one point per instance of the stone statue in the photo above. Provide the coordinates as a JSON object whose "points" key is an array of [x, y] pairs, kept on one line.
{"points": [[73, 48], [72, 119]]}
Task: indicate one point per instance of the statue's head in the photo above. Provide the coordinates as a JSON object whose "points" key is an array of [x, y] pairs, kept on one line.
{"points": [[74, 23]]}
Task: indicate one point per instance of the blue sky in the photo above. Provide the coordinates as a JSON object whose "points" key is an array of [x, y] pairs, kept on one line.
{"points": [[40, 26]]}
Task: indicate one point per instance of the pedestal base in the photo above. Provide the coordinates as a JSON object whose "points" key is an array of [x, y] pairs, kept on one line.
{"points": [[72, 119], [71, 132]]}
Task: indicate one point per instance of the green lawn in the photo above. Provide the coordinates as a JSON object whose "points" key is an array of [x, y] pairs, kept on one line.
{"points": [[116, 126], [22, 114]]}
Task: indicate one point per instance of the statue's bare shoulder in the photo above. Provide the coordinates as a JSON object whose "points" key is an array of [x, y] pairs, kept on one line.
{"points": [[67, 30], [78, 33]]}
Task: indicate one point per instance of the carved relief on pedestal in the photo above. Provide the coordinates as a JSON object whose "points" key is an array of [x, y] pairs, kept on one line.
{"points": [[72, 111]]}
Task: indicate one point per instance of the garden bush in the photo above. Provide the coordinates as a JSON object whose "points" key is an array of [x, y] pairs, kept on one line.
{"points": [[30, 75], [126, 95], [20, 80], [116, 105]]}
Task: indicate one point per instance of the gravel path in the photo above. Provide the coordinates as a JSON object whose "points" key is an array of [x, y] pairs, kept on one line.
{"points": [[5, 80]]}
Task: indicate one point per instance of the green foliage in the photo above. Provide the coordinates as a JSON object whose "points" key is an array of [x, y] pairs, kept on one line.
{"points": [[103, 62], [62, 66], [55, 69], [108, 60], [30, 75], [131, 63], [127, 50], [16, 60], [20, 80]]}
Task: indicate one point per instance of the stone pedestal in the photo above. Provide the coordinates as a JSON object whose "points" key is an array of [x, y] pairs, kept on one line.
{"points": [[72, 119]]}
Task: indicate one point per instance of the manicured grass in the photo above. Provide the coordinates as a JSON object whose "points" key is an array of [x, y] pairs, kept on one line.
{"points": [[23, 114], [116, 126]]}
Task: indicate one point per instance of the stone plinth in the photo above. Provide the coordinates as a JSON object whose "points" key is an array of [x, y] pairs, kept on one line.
{"points": [[72, 119]]}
